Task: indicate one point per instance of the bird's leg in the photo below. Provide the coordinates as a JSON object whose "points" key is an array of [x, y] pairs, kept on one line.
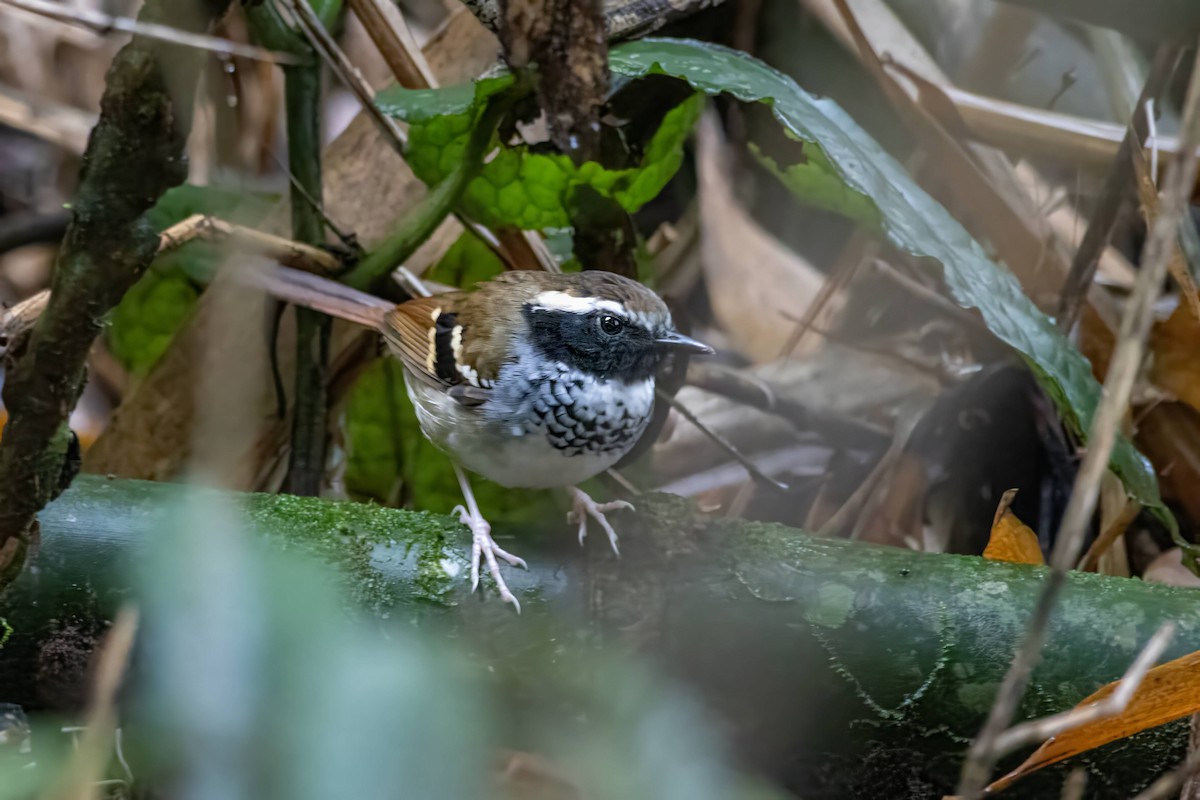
{"points": [[483, 545], [583, 506]]}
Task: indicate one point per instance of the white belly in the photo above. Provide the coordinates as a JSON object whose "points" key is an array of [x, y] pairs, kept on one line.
{"points": [[518, 449]]}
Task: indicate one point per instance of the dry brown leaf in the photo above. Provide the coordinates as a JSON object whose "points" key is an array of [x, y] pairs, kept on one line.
{"points": [[1176, 365], [1168, 568], [1148, 203], [1011, 539], [1167, 693], [755, 283]]}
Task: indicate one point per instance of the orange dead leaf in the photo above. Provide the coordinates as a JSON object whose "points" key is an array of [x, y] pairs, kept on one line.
{"points": [[1011, 539], [1176, 367], [1167, 693]]}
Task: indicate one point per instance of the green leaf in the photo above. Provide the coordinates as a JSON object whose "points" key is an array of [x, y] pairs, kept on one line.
{"points": [[142, 325], [388, 458], [518, 187], [425, 105], [468, 262], [910, 219]]}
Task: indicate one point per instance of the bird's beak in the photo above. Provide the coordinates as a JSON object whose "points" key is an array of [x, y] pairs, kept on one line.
{"points": [[677, 341]]}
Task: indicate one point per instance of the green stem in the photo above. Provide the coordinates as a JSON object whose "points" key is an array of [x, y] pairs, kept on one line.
{"points": [[302, 97], [418, 226]]}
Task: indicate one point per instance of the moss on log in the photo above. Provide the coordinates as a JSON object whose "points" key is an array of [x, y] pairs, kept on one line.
{"points": [[826, 657]]}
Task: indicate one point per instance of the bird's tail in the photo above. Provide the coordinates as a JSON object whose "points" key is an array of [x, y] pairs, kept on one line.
{"points": [[320, 294]]}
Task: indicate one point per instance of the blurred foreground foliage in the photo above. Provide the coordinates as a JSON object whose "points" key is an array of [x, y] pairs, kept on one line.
{"points": [[255, 677], [153, 309]]}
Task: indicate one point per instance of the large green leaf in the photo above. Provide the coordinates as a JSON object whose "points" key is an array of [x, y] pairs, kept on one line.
{"points": [[911, 220], [517, 186], [142, 325]]}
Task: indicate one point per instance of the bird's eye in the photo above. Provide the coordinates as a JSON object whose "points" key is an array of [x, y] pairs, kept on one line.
{"points": [[610, 325]]}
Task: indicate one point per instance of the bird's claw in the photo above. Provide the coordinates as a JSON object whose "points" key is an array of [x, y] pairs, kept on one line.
{"points": [[484, 547], [583, 506]]}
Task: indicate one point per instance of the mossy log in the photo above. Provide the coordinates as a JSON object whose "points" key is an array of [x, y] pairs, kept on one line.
{"points": [[825, 657]]}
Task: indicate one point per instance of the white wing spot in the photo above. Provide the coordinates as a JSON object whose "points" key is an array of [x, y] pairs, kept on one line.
{"points": [[431, 358], [466, 370]]}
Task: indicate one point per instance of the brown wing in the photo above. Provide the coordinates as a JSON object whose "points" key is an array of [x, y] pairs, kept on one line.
{"points": [[414, 330]]}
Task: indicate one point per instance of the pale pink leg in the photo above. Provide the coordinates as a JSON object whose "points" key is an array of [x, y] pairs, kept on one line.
{"points": [[483, 545], [583, 506]]}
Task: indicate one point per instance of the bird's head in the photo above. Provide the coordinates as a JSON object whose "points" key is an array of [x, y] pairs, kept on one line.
{"points": [[604, 325]]}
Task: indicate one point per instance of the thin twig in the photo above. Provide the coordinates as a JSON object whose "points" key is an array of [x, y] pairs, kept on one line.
{"points": [[1075, 784], [741, 387], [18, 319], [1169, 785], [721, 442], [385, 25], [1038, 730], [287, 252], [347, 239], [82, 774], [347, 73], [106, 24], [1114, 194], [1118, 386]]}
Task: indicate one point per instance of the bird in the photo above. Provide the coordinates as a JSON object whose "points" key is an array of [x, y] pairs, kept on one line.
{"points": [[532, 380]]}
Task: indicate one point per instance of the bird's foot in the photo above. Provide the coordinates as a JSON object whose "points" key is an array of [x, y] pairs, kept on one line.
{"points": [[484, 547], [583, 506]]}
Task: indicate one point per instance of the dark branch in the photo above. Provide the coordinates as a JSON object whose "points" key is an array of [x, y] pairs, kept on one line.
{"points": [[134, 154]]}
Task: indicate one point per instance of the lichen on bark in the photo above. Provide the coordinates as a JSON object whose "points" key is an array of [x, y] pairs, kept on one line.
{"points": [[134, 154]]}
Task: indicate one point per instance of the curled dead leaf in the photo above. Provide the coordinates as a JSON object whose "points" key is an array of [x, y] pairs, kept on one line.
{"points": [[1012, 540]]}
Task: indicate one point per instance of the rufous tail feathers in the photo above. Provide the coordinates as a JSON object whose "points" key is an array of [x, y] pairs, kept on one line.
{"points": [[320, 294]]}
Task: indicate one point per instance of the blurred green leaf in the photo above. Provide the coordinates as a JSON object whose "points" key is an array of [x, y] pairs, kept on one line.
{"points": [[835, 146], [142, 325], [517, 186], [468, 261], [257, 682], [389, 459]]}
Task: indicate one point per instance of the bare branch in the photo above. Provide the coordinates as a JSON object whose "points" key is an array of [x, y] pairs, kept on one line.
{"points": [[1169, 785], [386, 26], [18, 320], [287, 252], [349, 74]]}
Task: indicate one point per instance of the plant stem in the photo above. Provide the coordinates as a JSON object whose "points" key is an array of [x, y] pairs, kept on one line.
{"points": [[302, 97], [418, 226]]}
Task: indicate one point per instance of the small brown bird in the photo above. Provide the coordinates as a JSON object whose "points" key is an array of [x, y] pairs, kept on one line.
{"points": [[533, 380]]}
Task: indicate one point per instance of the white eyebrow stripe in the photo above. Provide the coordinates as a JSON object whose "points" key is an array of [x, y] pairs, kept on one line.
{"points": [[561, 301]]}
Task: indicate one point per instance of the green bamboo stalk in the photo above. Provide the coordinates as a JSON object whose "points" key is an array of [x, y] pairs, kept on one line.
{"points": [[816, 652]]}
